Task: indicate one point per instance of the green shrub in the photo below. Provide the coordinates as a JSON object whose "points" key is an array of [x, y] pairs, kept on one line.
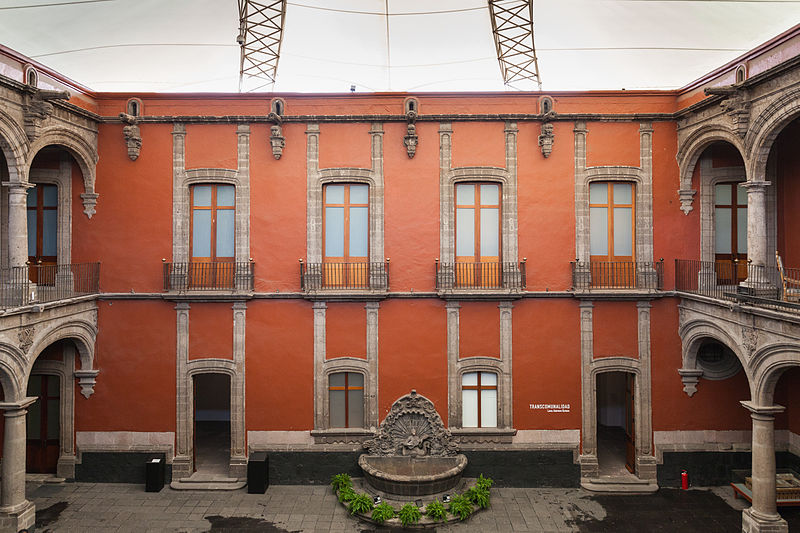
{"points": [[478, 496], [460, 506], [436, 510], [383, 512], [341, 481], [360, 504], [346, 494], [484, 482], [409, 514]]}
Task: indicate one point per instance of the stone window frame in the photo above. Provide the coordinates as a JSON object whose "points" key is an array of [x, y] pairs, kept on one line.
{"points": [[278, 106], [480, 364], [353, 365], [62, 179], [27, 70], [134, 107], [337, 180], [740, 74], [411, 105], [546, 105]]}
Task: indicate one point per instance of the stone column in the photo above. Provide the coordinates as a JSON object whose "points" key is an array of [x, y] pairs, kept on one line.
{"points": [[756, 222], [15, 511], [588, 458], [372, 363], [506, 345], [319, 308], [17, 223], [454, 387], [763, 515]]}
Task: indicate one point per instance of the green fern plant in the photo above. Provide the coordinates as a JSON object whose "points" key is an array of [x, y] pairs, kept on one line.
{"points": [[409, 514], [341, 481], [346, 494], [460, 506], [383, 512], [436, 511], [360, 504], [484, 482], [478, 496]]}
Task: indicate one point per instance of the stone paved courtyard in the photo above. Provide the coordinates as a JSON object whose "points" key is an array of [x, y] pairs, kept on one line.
{"points": [[291, 508]]}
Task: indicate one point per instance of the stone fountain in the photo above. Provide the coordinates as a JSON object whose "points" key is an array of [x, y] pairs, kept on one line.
{"points": [[413, 453]]}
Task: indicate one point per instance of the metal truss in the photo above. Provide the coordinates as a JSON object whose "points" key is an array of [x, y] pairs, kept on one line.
{"points": [[512, 27], [260, 36]]}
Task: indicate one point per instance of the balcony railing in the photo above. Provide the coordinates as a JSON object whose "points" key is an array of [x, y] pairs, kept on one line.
{"points": [[211, 276], [33, 284], [480, 275], [344, 276], [738, 280], [634, 275]]}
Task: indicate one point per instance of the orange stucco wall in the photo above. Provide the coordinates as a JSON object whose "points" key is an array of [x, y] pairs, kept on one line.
{"points": [[346, 330], [615, 328], [211, 331], [479, 329]]}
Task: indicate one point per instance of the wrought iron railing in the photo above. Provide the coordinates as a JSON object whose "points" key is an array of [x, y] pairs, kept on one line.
{"points": [[33, 284], [642, 275], [208, 276], [739, 280], [344, 276], [480, 275]]}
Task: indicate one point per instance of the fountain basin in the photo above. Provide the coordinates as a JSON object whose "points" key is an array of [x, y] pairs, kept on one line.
{"points": [[412, 476]]}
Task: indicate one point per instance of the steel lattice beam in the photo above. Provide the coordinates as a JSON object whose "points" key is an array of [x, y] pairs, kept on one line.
{"points": [[260, 36], [512, 27]]}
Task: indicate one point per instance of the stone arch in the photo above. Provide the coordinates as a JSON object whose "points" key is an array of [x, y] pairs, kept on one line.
{"points": [[768, 364], [765, 129], [13, 144], [695, 144], [82, 333], [12, 372], [692, 336]]}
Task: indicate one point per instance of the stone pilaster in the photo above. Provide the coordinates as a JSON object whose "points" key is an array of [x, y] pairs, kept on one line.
{"points": [[372, 363], [446, 230], [453, 385], [320, 309], [505, 418], [242, 241], [180, 198], [509, 211], [313, 196], [763, 515], [581, 191], [645, 461], [376, 198], [238, 463], [588, 457], [182, 464], [16, 512]]}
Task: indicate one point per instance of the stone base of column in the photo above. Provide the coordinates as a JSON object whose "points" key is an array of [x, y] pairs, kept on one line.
{"points": [[22, 516], [238, 467], [590, 468], [755, 523], [181, 467], [646, 467]]}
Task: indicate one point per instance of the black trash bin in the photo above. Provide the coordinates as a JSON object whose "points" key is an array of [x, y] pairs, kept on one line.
{"points": [[258, 473], [154, 475]]}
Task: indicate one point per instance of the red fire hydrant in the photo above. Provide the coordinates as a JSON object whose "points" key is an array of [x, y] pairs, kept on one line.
{"points": [[684, 480]]}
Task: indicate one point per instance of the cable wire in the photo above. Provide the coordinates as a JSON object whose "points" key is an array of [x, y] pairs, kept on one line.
{"points": [[56, 4]]}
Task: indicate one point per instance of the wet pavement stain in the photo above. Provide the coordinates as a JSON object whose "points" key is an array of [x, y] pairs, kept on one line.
{"points": [[243, 523], [48, 515]]}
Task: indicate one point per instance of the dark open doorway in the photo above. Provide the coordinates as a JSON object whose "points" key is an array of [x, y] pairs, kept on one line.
{"points": [[43, 425], [616, 450], [212, 424]]}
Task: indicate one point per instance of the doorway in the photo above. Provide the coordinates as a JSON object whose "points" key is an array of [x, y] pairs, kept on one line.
{"points": [[212, 424], [616, 437], [43, 425]]}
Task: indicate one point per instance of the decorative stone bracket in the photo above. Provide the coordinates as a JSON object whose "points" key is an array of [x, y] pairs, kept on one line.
{"points": [[37, 109], [687, 197], [411, 140], [547, 138], [736, 103], [276, 138], [87, 380], [690, 378], [133, 137]]}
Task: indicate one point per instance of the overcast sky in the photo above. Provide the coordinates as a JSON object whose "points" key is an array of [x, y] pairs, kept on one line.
{"points": [[190, 45]]}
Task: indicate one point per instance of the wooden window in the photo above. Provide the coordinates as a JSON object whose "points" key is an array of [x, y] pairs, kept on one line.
{"points": [[213, 223], [43, 225], [477, 228], [346, 399], [479, 400], [730, 231], [612, 218], [346, 235]]}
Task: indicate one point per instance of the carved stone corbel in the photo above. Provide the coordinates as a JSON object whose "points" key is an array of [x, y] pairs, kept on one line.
{"points": [[736, 104], [547, 137], [687, 197], [25, 337], [87, 380], [89, 203], [37, 109], [411, 140], [133, 137], [276, 138], [690, 378]]}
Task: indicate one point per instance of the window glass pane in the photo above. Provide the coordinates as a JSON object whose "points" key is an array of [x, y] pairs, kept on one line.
{"points": [[334, 231], [34, 420], [49, 232], [355, 379], [623, 193], [359, 231], [50, 193], [32, 198], [598, 225], [722, 194], [355, 406], [465, 194], [598, 193], [202, 195], [488, 379], [465, 231], [741, 195], [623, 231], [469, 408], [31, 232], [490, 194], [226, 195], [225, 231], [334, 194], [489, 408], [201, 233], [490, 232], [52, 418], [337, 408], [722, 230], [470, 378], [52, 387], [337, 380], [741, 230], [359, 194], [35, 386]]}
